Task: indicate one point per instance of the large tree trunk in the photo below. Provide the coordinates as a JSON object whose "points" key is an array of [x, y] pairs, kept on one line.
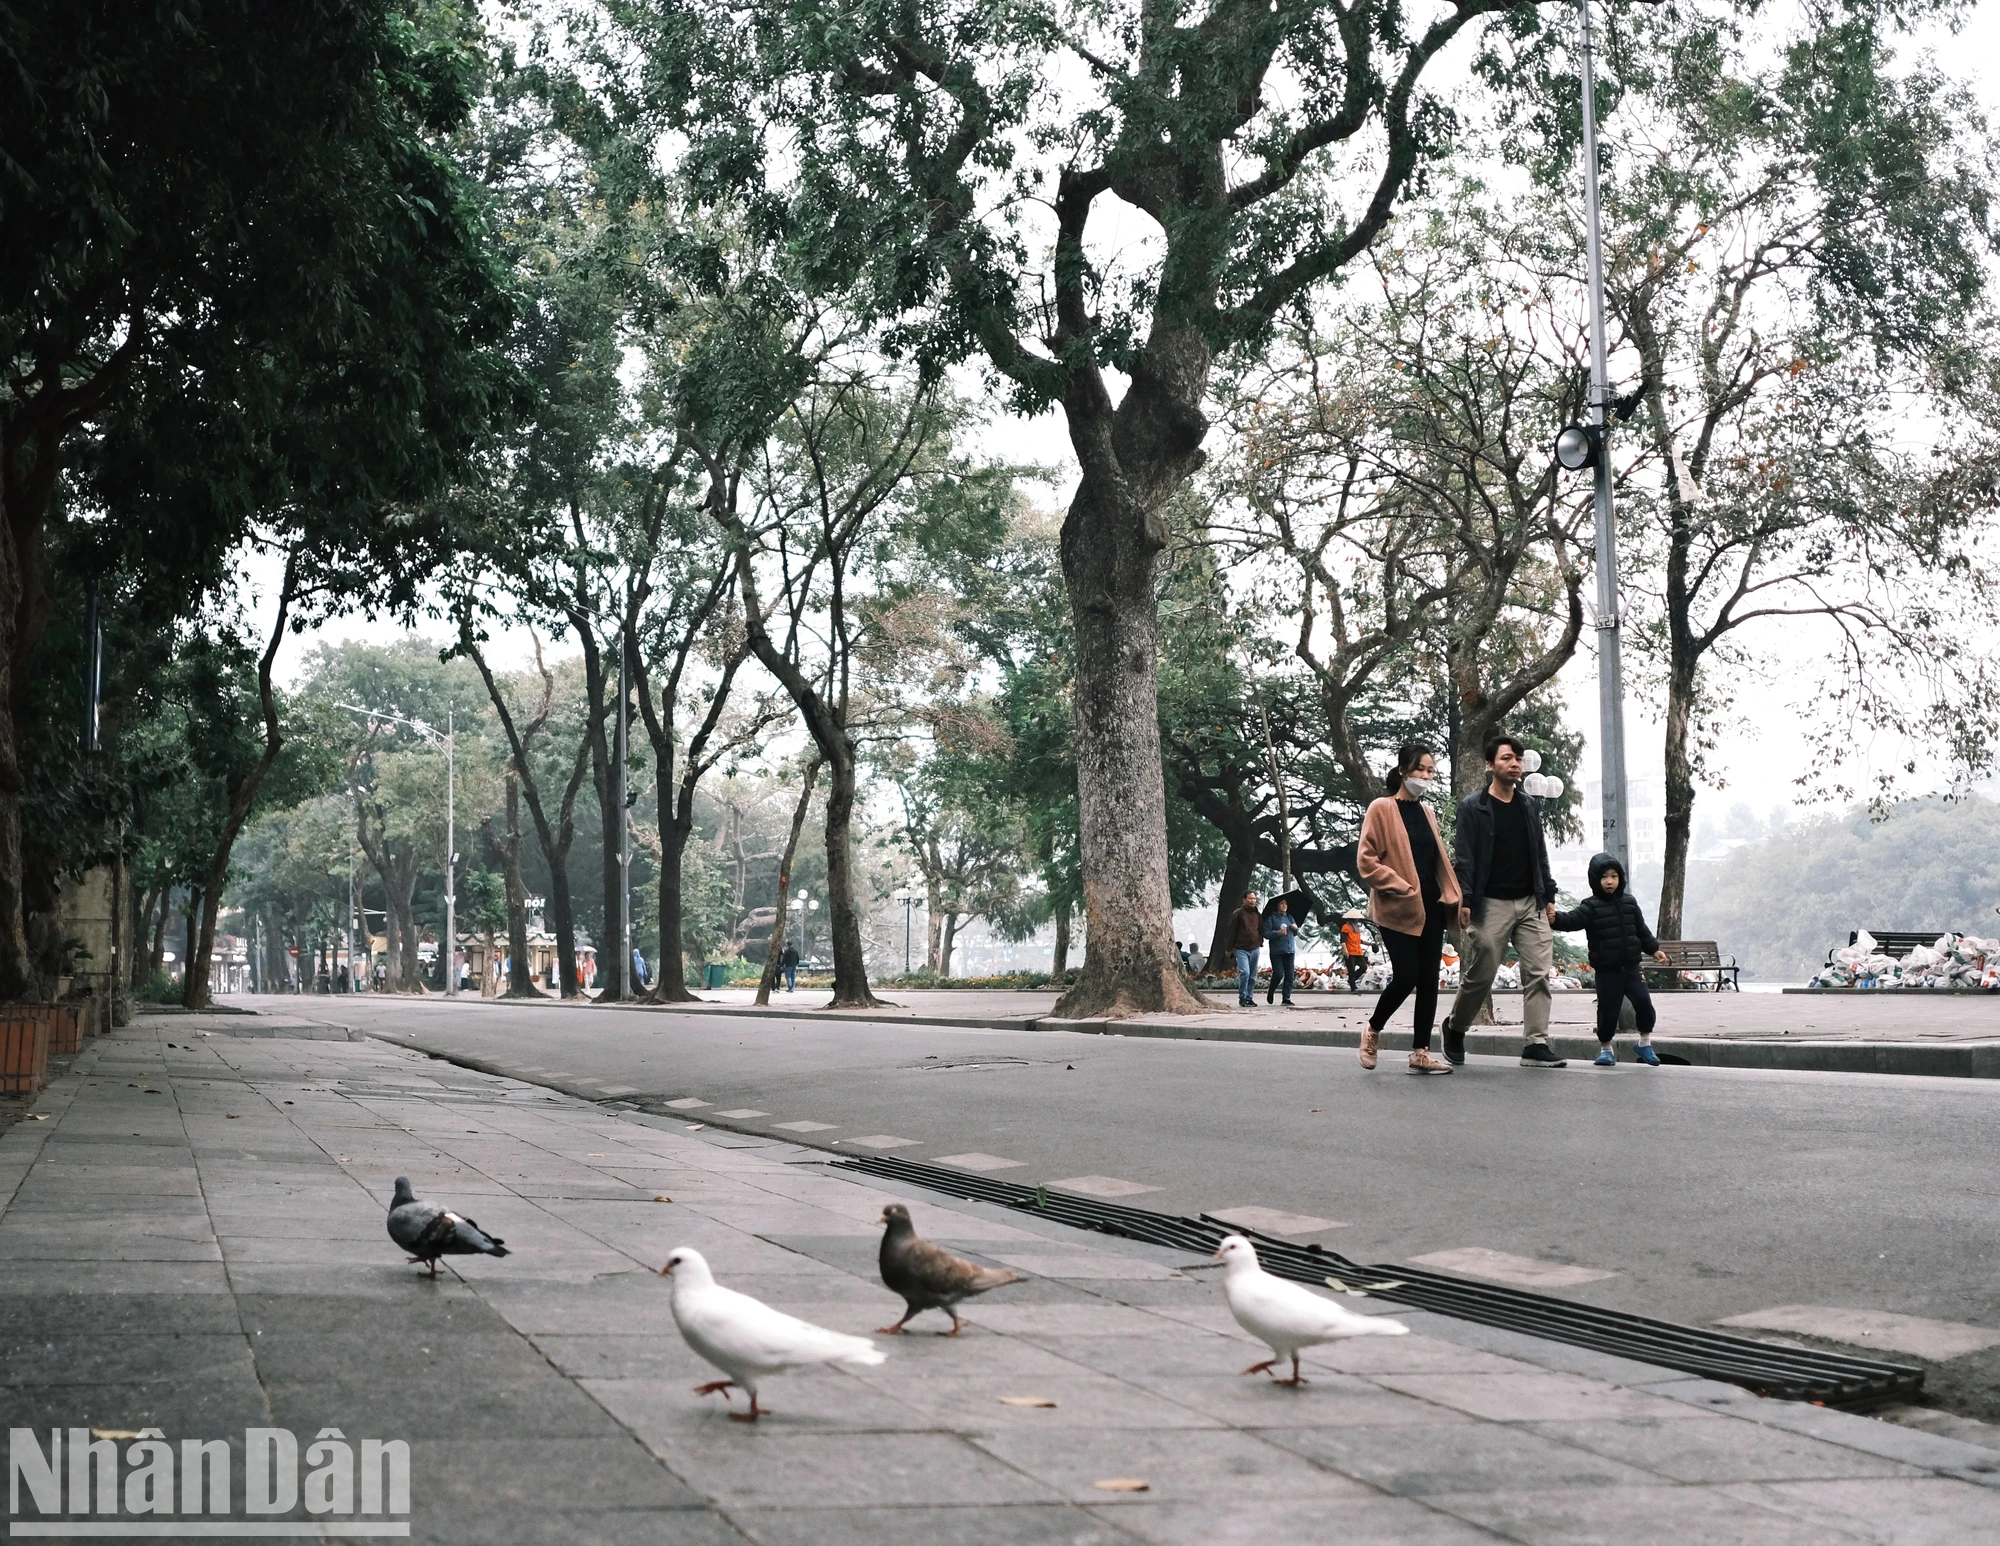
{"points": [[850, 974], [670, 982], [1681, 679], [242, 799], [1110, 551], [614, 966], [520, 976], [190, 932], [945, 944], [933, 925], [774, 947], [1059, 960]]}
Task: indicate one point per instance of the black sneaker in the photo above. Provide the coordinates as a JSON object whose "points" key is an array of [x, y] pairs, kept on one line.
{"points": [[1454, 1044], [1537, 1055]]}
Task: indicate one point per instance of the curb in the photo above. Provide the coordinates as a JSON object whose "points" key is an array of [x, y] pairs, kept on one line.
{"points": [[1924, 1059]]}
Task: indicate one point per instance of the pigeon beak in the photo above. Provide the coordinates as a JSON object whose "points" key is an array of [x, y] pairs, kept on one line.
{"points": [[1216, 1257], [664, 1271]]}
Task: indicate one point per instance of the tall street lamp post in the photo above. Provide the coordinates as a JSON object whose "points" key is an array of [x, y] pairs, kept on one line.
{"points": [[1580, 446], [907, 897]]}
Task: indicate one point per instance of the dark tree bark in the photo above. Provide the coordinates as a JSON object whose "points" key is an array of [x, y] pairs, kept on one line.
{"points": [[555, 839], [1059, 959], [775, 946], [520, 975], [242, 797]]}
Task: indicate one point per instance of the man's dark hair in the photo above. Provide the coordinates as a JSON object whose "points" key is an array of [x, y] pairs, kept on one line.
{"points": [[1499, 739]]}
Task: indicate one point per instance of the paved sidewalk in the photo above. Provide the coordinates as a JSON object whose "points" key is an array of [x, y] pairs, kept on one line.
{"points": [[192, 1240]]}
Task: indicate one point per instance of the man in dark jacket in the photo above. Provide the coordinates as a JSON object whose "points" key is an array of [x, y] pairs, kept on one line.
{"points": [[1615, 927], [1502, 861], [1246, 940]]}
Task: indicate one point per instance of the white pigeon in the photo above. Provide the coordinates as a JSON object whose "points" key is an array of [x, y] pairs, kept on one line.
{"points": [[1287, 1316], [746, 1338]]}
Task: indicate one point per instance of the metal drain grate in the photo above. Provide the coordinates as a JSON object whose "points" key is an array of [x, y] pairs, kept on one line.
{"points": [[1795, 1374]]}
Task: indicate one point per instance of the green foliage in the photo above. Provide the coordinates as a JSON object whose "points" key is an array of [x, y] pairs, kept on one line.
{"points": [[1781, 904]]}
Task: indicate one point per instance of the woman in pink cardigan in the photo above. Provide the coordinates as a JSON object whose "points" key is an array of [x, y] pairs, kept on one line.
{"points": [[1412, 891]]}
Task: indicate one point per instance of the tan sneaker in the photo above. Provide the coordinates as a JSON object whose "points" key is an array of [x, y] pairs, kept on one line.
{"points": [[1371, 1043], [1423, 1062]]}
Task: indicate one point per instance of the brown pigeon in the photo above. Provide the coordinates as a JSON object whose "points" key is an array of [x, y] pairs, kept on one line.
{"points": [[928, 1276]]}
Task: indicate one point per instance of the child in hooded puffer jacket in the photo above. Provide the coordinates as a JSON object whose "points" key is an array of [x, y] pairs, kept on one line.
{"points": [[1619, 941]]}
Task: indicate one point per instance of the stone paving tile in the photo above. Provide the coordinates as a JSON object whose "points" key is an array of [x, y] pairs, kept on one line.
{"points": [[1019, 1524], [1533, 1397], [1421, 1461], [1658, 1515], [777, 1467], [1720, 1449], [1348, 1521], [1204, 1463], [1919, 1511]]}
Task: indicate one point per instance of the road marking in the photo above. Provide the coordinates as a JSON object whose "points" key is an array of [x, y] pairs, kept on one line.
{"points": [[1274, 1221], [1103, 1186], [742, 1116], [884, 1141], [687, 1103], [981, 1162], [1936, 1340], [806, 1127], [1475, 1261]]}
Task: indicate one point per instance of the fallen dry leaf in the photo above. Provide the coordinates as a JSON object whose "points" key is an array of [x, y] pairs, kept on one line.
{"points": [[38, 1116], [114, 1433], [1029, 1401], [695, 1127], [1123, 1484], [663, 1197]]}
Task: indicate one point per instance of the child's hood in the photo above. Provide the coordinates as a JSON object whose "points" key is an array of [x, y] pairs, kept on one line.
{"points": [[1602, 864]]}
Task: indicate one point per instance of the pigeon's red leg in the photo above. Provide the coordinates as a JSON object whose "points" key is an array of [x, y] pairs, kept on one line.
{"points": [[1259, 1368], [713, 1386], [957, 1325], [897, 1329], [750, 1416], [1297, 1378]]}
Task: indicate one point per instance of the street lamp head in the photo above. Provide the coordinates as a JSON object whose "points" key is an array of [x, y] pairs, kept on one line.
{"points": [[1579, 446]]}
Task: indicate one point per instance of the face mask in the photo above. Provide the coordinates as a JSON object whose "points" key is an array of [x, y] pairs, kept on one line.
{"points": [[1418, 787]]}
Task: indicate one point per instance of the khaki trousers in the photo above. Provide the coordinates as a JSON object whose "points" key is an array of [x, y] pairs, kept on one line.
{"points": [[1496, 925]]}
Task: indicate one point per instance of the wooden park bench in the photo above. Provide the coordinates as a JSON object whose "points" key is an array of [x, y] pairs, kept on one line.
{"points": [[1700, 955], [1895, 943]]}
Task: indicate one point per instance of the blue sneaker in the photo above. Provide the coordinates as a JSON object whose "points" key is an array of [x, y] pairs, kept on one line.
{"points": [[1607, 1059], [1648, 1056]]}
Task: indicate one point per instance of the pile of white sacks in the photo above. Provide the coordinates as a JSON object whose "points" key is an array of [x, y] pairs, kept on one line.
{"points": [[1952, 961]]}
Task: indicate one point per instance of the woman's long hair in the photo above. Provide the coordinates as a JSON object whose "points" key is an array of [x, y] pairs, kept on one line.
{"points": [[1408, 755]]}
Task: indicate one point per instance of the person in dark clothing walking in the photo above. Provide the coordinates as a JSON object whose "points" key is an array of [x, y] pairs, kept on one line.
{"points": [[1509, 898], [1282, 930], [789, 961], [1246, 942], [1615, 927], [1412, 891]]}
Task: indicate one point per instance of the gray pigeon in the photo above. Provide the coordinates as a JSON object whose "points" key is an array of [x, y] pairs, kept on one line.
{"points": [[928, 1276], [428, 1230]]}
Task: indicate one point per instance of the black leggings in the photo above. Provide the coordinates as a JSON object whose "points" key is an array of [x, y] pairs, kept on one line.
{"points": [[1413, 959], [1614, 984]]}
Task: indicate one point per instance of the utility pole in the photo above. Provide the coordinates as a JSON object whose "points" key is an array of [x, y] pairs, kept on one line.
{"points": [[624, 831], [449, 955], [1610, 665]]}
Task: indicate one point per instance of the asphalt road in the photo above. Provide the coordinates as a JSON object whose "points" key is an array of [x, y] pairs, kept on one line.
{"points": [[1708, 1193]]}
